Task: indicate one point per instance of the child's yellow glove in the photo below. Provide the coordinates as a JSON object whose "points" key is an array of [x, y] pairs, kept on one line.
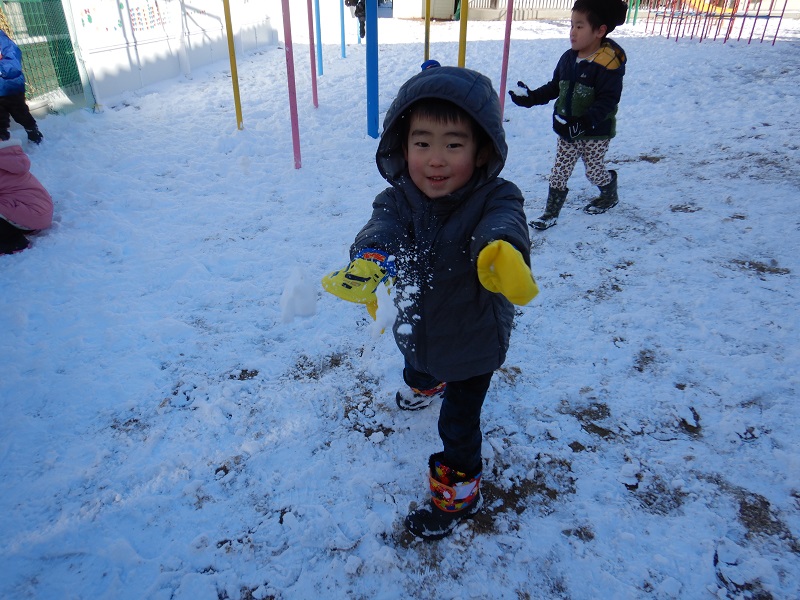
{"points": [[501, 269], [358, 282]]}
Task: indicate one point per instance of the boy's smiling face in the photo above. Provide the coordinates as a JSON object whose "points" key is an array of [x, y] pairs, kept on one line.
{"points": [[441, 155]]}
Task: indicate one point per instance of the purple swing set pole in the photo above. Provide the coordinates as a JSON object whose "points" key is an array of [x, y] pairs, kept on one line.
{"points": [[730, 25], [675, 6], [663, 18], [763, 33], [780, 20], [755, 20], [685, 23], [695, 20], [705, 22], [744, 18], [719, 22]]}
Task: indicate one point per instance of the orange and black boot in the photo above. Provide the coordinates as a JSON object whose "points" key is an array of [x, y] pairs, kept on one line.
{"points": [[455, 496]]}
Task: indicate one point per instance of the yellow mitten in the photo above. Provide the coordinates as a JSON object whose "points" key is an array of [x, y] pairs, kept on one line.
{"points": [[501, 269], [358, 282]]}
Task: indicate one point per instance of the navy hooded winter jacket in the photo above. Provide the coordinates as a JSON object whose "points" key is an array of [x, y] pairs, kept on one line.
{"points": [[448, 324]]}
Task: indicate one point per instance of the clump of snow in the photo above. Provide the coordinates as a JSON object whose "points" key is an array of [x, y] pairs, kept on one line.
{"points": [[299, 296]]}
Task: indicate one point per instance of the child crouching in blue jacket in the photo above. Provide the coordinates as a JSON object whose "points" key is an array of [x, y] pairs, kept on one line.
{"points": [[452, 237]]}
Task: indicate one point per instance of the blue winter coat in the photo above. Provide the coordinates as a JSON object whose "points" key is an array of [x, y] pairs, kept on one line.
{"points": [[448, 324], [12, 81]]}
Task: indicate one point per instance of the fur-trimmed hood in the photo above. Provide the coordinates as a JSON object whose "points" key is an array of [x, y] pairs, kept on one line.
{"points": [[468, 89]]}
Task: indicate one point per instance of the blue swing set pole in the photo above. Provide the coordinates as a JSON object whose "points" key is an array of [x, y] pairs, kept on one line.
{"points": [[319, 38], [372, 67], [341, 21]]}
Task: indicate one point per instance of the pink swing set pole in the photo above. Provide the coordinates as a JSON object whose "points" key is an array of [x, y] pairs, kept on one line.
{"points": [[313, 59], [506, 45], [287, 34]]}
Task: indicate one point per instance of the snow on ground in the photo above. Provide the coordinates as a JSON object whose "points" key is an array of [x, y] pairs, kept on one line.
{"points": [[174, 427]]}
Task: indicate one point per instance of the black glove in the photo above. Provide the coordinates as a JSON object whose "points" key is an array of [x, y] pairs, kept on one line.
{"points": [[524, 101], [571, 128], [531, 97], [578, 126]]}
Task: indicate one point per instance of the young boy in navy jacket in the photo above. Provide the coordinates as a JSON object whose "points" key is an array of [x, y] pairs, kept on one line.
{"points": [[452, 238]]}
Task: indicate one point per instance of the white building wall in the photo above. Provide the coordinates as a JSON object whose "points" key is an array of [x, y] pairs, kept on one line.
{"points": [[124, 45]]}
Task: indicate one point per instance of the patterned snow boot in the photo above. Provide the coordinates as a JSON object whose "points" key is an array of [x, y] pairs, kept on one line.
{"points": [[555, 201], [411, 398], [455, 496], [608, 197]]}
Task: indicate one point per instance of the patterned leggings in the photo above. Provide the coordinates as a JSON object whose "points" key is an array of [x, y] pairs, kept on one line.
{"points": [[593, 153]]}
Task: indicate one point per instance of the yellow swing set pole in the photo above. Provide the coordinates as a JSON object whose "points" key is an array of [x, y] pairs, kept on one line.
{"points": [[234, 74], [462, 38], [427, 29]]}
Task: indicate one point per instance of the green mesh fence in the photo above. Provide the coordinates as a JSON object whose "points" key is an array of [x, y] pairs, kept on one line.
{"points": [[40, 30]]}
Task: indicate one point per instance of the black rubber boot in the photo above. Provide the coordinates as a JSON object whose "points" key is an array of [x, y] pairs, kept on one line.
{"points": [[11, 238], [608, 197], [555, 201], [34, 135], [455, 496]]}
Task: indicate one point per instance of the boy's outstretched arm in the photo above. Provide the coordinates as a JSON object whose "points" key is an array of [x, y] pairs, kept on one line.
{"points": [[526, 97], [358, 281], [502, 269]]}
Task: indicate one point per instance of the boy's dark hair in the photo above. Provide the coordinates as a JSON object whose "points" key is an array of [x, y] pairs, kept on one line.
{"points": [[602, 12], [443, 111]]}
